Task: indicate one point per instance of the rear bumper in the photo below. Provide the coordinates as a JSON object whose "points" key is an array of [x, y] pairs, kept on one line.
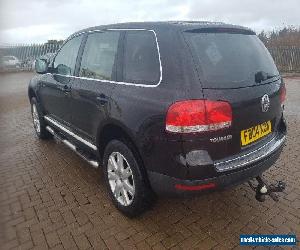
{"points": [[230, 173]]}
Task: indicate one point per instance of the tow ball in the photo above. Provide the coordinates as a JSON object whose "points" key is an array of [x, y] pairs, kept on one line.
{"points": [[263, 189]]}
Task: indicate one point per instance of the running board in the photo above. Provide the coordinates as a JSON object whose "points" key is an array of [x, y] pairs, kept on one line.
{"points": [[94, 163]]}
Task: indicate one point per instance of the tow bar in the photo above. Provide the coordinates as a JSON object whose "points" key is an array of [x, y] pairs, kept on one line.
{"points": [[262, 189]]}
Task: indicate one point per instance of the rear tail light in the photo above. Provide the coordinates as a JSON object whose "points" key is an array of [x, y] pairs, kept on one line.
{"points": [[282, 94], [198, 116]]}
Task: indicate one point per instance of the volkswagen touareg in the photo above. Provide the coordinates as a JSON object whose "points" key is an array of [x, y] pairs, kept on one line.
{"points": [[163, 107]]}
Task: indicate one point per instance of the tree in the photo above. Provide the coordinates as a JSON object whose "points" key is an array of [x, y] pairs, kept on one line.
{"points": [[287, 36]]}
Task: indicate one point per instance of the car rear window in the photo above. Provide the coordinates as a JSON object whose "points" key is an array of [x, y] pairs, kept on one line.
{"points": [[230, 59]]}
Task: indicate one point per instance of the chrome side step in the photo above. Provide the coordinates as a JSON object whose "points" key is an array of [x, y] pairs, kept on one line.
{"points": [[94, 163], [63, 128]]}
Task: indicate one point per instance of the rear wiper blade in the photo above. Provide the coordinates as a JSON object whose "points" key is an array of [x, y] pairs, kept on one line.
{"points": [[269, 76], [261, 76]]}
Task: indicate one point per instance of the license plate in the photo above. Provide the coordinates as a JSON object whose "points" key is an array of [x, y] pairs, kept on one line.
{"points": [[255, 133]]}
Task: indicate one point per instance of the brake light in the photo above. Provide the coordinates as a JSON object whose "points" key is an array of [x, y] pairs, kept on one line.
{"points": [[198, 116], [282, 94]]}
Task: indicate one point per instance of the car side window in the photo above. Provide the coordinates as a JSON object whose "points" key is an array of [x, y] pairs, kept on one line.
{"points": [[65, 60], [141, 59], [99, 55]]}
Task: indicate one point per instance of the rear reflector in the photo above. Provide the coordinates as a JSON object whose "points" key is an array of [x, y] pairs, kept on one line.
{"points": [[198, 116], [195, 188], [282, 94]]}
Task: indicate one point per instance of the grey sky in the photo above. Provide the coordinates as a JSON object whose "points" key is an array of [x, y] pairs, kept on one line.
{"points": [[39, 20]]}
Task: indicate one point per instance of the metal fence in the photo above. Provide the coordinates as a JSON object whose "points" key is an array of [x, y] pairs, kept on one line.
{"points": [[27, 54], [287, 59]]}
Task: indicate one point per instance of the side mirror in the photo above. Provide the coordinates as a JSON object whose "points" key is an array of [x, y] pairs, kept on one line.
{"points": [[63, 70], [41, 66]]}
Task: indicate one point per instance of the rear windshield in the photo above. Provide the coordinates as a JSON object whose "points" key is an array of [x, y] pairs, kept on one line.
{"points": [[230, 60]]}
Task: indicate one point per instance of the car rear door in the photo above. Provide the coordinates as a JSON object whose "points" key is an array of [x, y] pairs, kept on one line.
{"points": [[248, 114], [229, 63], [92, 88], [55, 90]]}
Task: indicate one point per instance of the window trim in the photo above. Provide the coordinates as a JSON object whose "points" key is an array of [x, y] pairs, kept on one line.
{"points": [[121, 82]]}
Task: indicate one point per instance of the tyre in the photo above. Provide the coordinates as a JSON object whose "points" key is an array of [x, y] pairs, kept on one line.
{"points": [[38, 121], [126, 180]]}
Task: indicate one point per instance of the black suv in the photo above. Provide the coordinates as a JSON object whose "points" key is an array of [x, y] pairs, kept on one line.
{"points": [[163, 107]]}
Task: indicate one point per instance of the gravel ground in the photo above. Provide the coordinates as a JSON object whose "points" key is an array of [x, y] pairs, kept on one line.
{"points": [[50, 198]]}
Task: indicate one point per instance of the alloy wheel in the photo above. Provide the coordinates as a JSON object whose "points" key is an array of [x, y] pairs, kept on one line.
{"points": [[36, 120], [120, 179]]}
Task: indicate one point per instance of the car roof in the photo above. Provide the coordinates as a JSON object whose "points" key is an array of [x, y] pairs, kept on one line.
{"points": [[157, 26]]}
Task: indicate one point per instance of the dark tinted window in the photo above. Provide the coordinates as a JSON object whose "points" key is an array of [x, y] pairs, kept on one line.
{"points": [[99, 55], [230, 60], [141, 61], [65, 60]]}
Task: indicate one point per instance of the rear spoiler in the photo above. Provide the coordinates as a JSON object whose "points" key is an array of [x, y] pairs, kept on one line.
{"points": [[222, 30]]}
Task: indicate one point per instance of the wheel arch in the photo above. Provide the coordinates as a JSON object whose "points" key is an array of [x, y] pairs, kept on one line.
{"points": [[114, 130], [31, 93]]}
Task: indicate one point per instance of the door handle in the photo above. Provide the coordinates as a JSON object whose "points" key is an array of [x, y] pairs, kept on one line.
{"points": [[102, 99]]}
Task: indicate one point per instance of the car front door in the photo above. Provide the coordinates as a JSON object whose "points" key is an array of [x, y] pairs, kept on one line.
{"points": [[55, 90], [92, 88]]}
